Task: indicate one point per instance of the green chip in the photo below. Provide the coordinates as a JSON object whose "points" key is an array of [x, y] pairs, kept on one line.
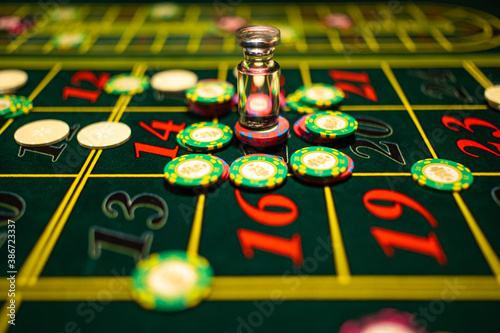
{"points": [[183, 146], [293, 101], [126, 84], [171, 281], [258, 171], [206, 136], [69, 40], [321, 95], [441, 174], [20, 106], [211, 92], [331, 124], [7, 105], [193, 170], [319, 162]]}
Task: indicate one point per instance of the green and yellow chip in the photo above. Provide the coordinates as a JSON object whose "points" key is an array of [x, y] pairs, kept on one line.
{"points": [[258, 171], [319, 162], [206, 136], [171, 281], [211, 92], [126, 84], [441, 174], [193, 170], [321, 95], [331, 124], [69, 40]]}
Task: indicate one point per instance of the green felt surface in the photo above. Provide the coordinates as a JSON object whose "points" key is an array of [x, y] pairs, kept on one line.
{"points": [[69, 293]]}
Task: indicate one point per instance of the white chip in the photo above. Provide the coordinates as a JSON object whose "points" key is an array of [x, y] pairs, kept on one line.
{"points": [[104, 135], [11, 80], [174, 80], [492, 95], [41, 133]]}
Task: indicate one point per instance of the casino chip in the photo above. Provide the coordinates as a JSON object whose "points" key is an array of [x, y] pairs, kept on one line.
{"points": [[320, 163], [321, 95], [326, 180], [385, 321], [175, 80], [11, 80], [258, 171], [13, 106], [126, 84], [293, 101], [261, 138], [103, 135], [171, 281], [211, 91], [41, 133], [205, 136], [194, 170], [331, 124], [69, 40], [441, 174], [492, 95], [165, 10]]}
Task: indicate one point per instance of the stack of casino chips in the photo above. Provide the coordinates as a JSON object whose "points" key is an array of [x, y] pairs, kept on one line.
{"points": [[211, 98], [325, 127], [273, 136], [314, 98], [321, 165]]}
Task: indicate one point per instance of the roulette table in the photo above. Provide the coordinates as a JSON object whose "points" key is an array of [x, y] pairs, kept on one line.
{"points": [[374, 248]]}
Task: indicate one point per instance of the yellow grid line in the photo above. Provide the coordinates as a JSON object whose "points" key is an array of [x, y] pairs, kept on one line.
{"points": [[339, 61], [481, 239], [135, 24], [222, 71], [305, 73], [357, 15], [390, 75], [476, 73], [241, 288], [332, 34], [160, 38], [6, 125], [341, 262], [46, 80], [107, 20], [295, 18], [194, 237], [190, 19]]}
